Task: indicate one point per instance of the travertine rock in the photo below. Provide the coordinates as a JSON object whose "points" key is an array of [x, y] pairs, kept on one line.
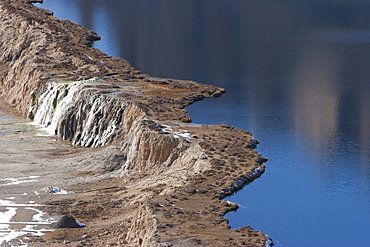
{"points": [[50, 73]]}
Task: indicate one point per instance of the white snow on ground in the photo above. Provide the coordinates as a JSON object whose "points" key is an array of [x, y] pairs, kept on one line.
{"points": [[5, 217], [39, 216], [268, 242], [11, 231], [176, 134], [57, 191], [15, 181], [7, 203], [80, 224], [9, 235]]}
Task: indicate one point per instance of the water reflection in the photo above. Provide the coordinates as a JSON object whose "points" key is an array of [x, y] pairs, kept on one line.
{"points": [[315, 95], [297, 76]]}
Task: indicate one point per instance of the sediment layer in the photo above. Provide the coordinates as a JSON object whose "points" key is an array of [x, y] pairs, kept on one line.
{"points": [[169, 177]]}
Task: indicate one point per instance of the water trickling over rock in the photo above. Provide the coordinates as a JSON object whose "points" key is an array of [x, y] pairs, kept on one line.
{"points": [[53, 101]]}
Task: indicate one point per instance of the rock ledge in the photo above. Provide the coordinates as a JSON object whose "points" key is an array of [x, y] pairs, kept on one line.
{"points": [[161, 179]]}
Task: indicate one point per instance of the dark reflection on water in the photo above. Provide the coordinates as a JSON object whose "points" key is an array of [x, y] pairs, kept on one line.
{"points": [[298, 77]]}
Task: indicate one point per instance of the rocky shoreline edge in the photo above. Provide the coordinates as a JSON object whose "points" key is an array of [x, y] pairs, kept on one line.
{"points": [[151, 178]]}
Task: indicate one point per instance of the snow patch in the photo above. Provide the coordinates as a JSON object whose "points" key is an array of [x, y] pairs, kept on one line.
{"points": [[80, 224], [15, 181], [268, 242], [176, 134], [7, 203], [229, 202], [9, 235], [57, 191], [6, 217]]}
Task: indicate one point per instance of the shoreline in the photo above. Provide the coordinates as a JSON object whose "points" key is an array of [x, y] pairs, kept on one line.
{"points": [[138, 177]]}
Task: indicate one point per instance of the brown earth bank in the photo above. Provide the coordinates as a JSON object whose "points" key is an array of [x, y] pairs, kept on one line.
{"points": [[141, 173]]}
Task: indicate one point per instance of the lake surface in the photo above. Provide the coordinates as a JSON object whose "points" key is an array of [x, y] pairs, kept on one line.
{"points": [[297, 75]]}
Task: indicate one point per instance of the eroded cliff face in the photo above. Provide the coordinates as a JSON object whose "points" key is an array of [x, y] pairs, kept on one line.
{"points": [[50, 73]]}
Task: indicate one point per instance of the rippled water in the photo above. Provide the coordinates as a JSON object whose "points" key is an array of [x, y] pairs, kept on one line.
{"points": [[297, 76]]}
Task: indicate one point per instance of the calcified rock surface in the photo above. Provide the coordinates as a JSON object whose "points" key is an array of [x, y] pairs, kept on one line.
{"points": [[152, 179]]}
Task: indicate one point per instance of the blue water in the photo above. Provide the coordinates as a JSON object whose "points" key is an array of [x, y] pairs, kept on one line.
{"points": [[297, 76]]}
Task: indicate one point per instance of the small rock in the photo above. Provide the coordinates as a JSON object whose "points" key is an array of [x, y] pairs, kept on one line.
{"points": [[68, 221], [104, 233], [66, 242]]}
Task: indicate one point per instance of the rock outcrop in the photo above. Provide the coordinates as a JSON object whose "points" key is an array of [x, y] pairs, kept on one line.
{"points": [[50, 73]]}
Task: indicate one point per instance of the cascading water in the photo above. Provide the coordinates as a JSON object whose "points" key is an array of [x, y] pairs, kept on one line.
{"points": [[54, 100], [98, 118]]}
